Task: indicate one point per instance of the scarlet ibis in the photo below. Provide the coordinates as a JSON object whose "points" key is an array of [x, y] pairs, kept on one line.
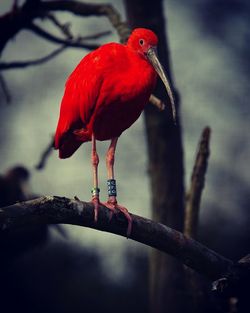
{"points": [[105, 95]]}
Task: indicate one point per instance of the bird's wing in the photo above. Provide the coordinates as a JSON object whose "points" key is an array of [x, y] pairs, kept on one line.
{"points": [[82, 90], [78, 102]]}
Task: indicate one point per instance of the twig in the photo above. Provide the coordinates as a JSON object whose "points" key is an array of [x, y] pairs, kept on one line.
{"points": [[10, 25], [87, 9], [95, 36], [64, 28], [112, 14], [56, 210], [46, 153], [69, 43], [23, 64], [5, 89], [197, 185], [157, 102]]}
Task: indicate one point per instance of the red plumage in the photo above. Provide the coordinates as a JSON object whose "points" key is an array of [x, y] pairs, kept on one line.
{"points": [[106, 93]]}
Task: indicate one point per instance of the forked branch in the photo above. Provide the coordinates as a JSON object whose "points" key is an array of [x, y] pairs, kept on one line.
{"points": [[68, 42], [23, 17]]}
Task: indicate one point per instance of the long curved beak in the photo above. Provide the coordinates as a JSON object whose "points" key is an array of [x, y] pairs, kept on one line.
{"points": [[152, 57]]}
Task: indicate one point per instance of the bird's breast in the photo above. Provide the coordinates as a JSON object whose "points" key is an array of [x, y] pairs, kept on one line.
{"points": [[121, 101]]}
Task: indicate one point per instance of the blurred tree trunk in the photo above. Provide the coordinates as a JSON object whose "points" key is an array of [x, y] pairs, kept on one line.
{"points": [[165, 159]]}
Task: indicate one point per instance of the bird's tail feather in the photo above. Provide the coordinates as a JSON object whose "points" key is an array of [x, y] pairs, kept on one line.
{"points": [[68, 148], [69, 142]]}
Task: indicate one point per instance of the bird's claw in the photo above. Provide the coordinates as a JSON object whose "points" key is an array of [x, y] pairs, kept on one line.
{"points": [[114, 206]]}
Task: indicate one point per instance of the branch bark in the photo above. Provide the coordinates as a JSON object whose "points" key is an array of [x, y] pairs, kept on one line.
{"points": [[196, 288], [45, 154], [21, 18], [69, 42], [193, 198], [23, 64], [5, 89], [55, 210]]}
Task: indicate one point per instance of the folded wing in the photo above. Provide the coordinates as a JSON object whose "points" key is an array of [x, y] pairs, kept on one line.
{"points": [[77, 106]]}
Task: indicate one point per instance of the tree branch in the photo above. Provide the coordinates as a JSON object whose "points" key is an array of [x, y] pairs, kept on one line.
{"points": [[157, 102], [5, 88], [23, 64], [69, 43], [46, 153], [87, 9], [23, 17], [193, 198], [194, 283], [95, 36], [54, 210], [13, 22], [65, 29]]}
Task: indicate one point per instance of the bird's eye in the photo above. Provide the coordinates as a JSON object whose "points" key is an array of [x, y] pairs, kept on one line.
{"points": [[141, 42]]}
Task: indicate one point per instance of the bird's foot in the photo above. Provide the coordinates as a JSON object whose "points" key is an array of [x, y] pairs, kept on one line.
{"points": [[114, 206]]}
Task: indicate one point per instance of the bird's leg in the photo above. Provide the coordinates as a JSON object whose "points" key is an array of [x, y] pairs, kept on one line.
{"points": [[111, 183], [112, 202], [95, 190]]}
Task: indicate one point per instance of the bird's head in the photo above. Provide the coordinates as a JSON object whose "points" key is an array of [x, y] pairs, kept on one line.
{"points": [[141, 40], [144, 42]]}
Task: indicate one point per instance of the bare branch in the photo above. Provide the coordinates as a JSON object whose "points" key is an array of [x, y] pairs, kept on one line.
{"points": [[87, 9], [64, 28], [5, 89], [56, 210], [197, 185], [46, 153], [95, 36], [23, 64], [11, 24], [157, 102], [75, 7], [112, 14], [69, 43]]}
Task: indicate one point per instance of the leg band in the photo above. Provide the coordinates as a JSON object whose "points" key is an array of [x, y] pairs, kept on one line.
{"points": [[95, 192], [111, 187]]}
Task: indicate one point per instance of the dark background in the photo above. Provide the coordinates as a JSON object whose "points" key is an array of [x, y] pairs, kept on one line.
{"points": [[209, 45]]}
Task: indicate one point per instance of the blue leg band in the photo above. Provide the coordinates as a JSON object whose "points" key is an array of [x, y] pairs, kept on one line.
{"points": [[111, 183]]}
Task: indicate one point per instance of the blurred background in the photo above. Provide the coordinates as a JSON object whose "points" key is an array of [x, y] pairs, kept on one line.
{"points": [[209, 47]]}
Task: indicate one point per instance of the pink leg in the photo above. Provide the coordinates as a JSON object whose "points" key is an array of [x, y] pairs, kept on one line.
{"points": [[112, 202], [95, 191]]}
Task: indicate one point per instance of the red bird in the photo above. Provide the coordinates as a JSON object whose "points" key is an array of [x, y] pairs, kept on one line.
{"points": [[104, 96]]}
